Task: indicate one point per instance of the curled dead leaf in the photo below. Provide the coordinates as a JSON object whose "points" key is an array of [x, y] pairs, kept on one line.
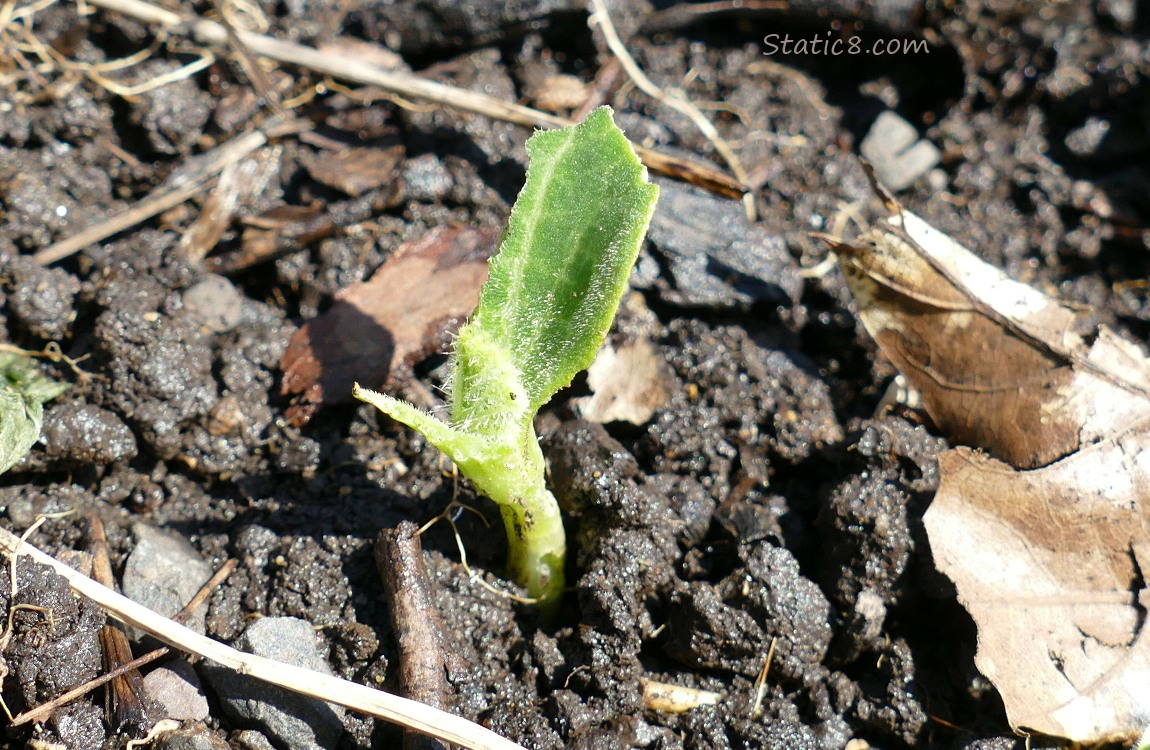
{"points": [[1050, 564], [1047, 538]]}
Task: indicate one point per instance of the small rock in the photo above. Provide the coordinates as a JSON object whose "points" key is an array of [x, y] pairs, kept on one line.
{"points": [[1086, 140], [214, 303], [176, 688], [191, 737], [426, 179], [937, 179], [87, 434], [894, 150], [164, 572], [716, 257], [289, 719]]}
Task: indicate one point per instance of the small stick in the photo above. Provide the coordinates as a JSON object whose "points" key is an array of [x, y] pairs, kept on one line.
{"points": [[761, 682], [436, 723], [422, 675], [256, 75], [124, 704], [206, 590], [608, 80], [676, 699]]}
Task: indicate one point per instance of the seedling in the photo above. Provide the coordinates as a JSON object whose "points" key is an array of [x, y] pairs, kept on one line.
{"points": [[549, 300]]}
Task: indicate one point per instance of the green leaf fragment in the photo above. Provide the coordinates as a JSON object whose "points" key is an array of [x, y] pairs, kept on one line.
{"points": [[23, 391]]}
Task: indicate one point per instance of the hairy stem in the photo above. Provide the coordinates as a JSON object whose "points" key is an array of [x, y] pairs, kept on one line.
{"points": [[536, 545]]}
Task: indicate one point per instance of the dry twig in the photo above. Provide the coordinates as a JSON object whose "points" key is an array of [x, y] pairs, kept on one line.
{"points": [[205, 167], [400, 83], [422, 658], [198, 172], [392, 708]]}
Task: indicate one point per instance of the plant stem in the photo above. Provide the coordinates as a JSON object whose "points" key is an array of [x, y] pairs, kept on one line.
{"points": [[510, 470], [512, 474], [536, 545]]}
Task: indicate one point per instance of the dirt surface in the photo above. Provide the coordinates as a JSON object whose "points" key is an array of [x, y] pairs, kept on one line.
{"points": [[766, 506]]}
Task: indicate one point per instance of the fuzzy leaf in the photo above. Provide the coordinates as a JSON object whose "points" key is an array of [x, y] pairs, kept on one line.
{"points": [[562, 266], [23, 391]]}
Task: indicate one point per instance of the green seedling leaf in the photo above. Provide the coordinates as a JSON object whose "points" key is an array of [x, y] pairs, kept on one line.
{"points": [[23, 391], [572, 239], [548, 303]]}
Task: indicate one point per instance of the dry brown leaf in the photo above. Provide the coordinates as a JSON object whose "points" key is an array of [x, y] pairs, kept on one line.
{"points": [[280, 230], [1050, 563], [1047, 542], [405, 311]]}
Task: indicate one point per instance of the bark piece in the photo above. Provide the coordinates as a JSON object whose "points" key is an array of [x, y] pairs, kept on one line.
{"points": [[355, 171], [404, 312], [422, 659]]}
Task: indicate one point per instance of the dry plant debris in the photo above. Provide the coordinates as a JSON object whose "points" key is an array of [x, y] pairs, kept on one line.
{"points": [[406, 310], [1045, 530], [629, 383], [412, 714]]}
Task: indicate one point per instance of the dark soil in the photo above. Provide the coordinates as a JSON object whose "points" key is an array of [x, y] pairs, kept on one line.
{"points": [[766, 504]]}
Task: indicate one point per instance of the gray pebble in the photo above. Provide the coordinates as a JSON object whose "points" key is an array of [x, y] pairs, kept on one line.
{"points": [[176, 688], [289, 719], [164, 572], [716, 257], [426, 179], [214, 304], [894, 150], [87, 434]]}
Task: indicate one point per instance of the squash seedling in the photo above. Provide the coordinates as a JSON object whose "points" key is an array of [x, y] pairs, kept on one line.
{"points": [[550, 297]]}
